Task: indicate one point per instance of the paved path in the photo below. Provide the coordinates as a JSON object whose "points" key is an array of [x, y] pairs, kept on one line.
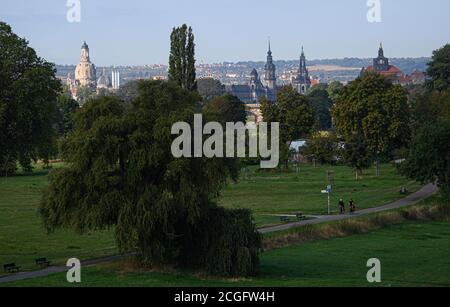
{"points": [[423, 193]]}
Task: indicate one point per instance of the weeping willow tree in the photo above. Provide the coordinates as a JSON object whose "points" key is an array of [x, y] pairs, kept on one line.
{"points": [[121, 174]]}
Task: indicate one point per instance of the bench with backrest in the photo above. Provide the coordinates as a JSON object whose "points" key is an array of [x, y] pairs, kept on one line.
{"points": [[300, 216], [11, 268], [42, 262], [284, 219]]}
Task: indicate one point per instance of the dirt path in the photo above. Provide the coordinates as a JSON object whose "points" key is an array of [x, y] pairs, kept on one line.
{"points": [[423, 193]]}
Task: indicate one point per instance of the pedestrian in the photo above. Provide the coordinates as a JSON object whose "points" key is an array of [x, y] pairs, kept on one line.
{"points": [[352, 207], [341, 206]]}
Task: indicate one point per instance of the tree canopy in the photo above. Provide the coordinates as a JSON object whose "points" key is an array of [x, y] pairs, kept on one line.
{"points": [[439, 69], [182, 58], [226, 108], [429, 158], [28, 93], [210, 88], [121, 173], [294, 113], [321, 103], [373, 113]]}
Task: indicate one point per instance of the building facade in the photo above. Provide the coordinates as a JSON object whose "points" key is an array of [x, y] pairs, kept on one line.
{"points": [[251, 93], [381, 65]]}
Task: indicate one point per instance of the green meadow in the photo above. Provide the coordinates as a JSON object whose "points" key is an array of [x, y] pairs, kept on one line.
{"points": [[23, 238], [411, 254]]}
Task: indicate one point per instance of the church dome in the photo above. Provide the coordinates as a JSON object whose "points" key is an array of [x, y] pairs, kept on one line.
{"points": [[103, 81]]}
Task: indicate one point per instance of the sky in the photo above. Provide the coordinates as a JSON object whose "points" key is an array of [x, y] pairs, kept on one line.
{"points": [[136, 32]]}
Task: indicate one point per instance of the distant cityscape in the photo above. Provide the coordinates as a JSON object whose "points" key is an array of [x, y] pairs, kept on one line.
{"points": [[325, 70]]}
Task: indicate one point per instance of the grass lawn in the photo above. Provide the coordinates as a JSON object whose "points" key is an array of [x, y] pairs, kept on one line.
{"points": [[22, 237], [288, 193], [411, 254]]}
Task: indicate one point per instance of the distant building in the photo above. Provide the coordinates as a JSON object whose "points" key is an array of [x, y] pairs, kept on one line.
{"points": [[382, 66], [85, 76], [302, 82], [104, 82], [251, 93]]}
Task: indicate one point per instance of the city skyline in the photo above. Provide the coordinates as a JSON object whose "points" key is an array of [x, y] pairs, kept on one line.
{"points": [[137, 32]]}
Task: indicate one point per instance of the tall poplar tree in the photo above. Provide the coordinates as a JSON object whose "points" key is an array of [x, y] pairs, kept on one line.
{"points": [[182, 58]]}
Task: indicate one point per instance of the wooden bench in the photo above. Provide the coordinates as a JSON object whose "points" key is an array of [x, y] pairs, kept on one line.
{"points": [[42, 262], [11, 268], [300, 216], [284, 219]]}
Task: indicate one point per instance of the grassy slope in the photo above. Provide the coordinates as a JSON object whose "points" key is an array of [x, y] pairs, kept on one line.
{"points": [[22, 238], [411, 254], [275, 193]]}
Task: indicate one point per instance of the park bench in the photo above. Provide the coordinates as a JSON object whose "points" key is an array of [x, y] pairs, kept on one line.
{"points": [[284, 219], [11, 268], [42, 262], [300, 216]]}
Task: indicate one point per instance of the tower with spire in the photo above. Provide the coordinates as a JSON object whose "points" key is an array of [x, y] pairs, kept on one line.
{"points": [[302, 82], [270, 78], [381, 63], [85, 72]]}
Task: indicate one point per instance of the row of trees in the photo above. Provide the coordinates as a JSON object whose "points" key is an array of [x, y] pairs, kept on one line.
{"points": [[429, 151], [374, 120]]}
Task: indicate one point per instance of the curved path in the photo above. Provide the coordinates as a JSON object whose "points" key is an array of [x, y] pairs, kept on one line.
{"points": [[423, 193]]}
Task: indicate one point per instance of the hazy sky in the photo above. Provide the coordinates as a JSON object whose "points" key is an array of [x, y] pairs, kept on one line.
{"points": [[134, 32]]}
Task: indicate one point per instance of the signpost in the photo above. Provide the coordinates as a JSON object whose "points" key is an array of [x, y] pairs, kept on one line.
{"points": [[328, 191]]}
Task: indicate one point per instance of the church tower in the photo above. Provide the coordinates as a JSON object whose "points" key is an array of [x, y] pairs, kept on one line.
{"points": [[381, 63], [85, 72], [270, 78], [302, 82]]}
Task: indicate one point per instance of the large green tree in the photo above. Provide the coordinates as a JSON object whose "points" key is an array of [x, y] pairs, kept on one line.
{"points": [[321, 103], [28, 92], [226, 108], [67, 107], [334, 89], [210, 88], [121, 172], [439, 69], [429, 158], [374, 113], [321, 147], [182, 58], [296, 117]]}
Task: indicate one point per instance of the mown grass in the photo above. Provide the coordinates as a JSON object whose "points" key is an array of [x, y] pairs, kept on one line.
{"points": [[411, 254], [22, 237], [431, 209], [291, 192]]}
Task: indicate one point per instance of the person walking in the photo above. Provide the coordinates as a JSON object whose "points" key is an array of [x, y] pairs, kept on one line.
{"points": [[352, 207], [341, 206]]}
